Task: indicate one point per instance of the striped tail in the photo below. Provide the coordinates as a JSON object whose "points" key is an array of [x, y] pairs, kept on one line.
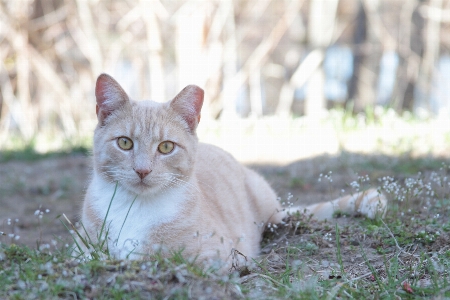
{"points": [[369, 203]]}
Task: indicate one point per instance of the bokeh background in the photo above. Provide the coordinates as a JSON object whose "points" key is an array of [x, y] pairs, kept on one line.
{"points": [[284, 79]]}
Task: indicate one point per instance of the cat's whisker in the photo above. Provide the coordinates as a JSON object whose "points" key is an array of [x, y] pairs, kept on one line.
{"points": [[175, 175], [180, 182], [167, 183], [183, 182]]}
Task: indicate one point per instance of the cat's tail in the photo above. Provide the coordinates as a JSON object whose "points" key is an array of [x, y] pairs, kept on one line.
{"points": [[370, 203]]}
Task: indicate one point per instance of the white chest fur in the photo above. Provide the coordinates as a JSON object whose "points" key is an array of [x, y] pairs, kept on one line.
{"points": [[131, 217]]}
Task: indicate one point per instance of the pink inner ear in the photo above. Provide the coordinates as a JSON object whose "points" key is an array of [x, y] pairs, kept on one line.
{"points": [[109, 95], [99, 92], [104, 88], [188, 103], [197, 95]]}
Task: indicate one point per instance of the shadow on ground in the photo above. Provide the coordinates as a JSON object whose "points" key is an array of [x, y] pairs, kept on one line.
{"points": [[35, 190]]}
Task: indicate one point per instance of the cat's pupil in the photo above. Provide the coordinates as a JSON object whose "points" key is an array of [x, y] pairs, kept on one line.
{"points": [[166, 147], [124, 143]]}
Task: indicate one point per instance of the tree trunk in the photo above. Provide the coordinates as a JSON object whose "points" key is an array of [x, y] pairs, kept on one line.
{"points": [[363, 85], [155, 60], [430, 56], [322, 17]]}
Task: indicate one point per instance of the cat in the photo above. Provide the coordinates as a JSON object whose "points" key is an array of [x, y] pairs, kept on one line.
{"points": [[154, 187]]}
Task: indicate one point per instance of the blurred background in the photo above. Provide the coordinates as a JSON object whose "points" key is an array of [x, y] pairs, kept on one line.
{"points": [[283, 79]]}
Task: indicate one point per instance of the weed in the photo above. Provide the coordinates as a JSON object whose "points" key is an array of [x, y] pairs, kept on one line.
{"points": [[87, 247], [338, 250], [297, 182]]}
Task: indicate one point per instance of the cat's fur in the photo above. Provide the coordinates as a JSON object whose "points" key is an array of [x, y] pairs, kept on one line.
{"points": [[197, 197]]}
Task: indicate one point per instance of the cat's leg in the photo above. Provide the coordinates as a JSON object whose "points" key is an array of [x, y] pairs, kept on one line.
{"points": [[369, 203], [262, 198]]}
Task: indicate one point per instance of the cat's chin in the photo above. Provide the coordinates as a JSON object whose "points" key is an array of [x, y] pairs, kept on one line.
{"points": [[142, 188]]}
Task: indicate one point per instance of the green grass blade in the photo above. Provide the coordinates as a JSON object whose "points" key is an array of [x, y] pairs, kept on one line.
{"points": [[126, 217], [106, 217]]}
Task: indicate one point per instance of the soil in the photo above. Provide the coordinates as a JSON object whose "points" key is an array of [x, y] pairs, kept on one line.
{"points": [[34, 195]]}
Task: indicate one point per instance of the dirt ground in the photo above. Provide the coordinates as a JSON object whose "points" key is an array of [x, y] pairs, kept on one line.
{"points": [[34, 194]]}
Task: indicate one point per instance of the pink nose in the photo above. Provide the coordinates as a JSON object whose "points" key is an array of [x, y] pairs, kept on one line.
{"points": [[142, 172]]}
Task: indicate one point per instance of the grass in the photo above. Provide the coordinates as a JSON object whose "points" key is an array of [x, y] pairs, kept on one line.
{"points": [[28, 153], [405, 256]]}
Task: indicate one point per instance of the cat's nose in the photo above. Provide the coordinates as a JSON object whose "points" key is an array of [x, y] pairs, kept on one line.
{"points": [[142, 172]]}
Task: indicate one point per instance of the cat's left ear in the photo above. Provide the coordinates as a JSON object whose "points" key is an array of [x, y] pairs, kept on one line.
{"points": [[188, 103]]}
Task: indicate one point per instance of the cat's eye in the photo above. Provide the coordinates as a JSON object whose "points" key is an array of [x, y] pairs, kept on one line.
{"points": [[125, 143], [166, 147]]}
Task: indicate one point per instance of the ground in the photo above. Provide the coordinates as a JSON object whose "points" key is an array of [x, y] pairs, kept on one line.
{"points": [[56, 185], [295, 256]]}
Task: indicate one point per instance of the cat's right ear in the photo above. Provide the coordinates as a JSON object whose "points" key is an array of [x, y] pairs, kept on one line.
{"points": [[110, 96]]}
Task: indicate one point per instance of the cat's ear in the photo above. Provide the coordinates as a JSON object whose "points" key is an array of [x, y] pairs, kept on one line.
{"points": [[110, 96], [188, 104]]}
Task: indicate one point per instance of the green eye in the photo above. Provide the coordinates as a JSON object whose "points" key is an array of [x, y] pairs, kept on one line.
{"points": [[166, 147], [125, 143]]}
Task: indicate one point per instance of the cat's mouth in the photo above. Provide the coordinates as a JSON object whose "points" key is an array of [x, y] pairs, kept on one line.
{"points": [[142, 186]]}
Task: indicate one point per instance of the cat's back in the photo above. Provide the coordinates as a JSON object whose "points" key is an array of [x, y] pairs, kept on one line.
{"points": [[209, 155], [218, 167]]}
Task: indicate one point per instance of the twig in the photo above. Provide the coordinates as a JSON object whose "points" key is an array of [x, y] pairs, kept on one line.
{"points": [[396, 243], [243, 279], [360, 277]]}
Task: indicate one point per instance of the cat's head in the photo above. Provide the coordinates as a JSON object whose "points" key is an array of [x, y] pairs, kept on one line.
{"points": [[146, 147]]}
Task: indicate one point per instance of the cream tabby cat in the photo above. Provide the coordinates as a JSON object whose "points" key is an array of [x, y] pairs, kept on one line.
{"points": [[169, 191]]}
